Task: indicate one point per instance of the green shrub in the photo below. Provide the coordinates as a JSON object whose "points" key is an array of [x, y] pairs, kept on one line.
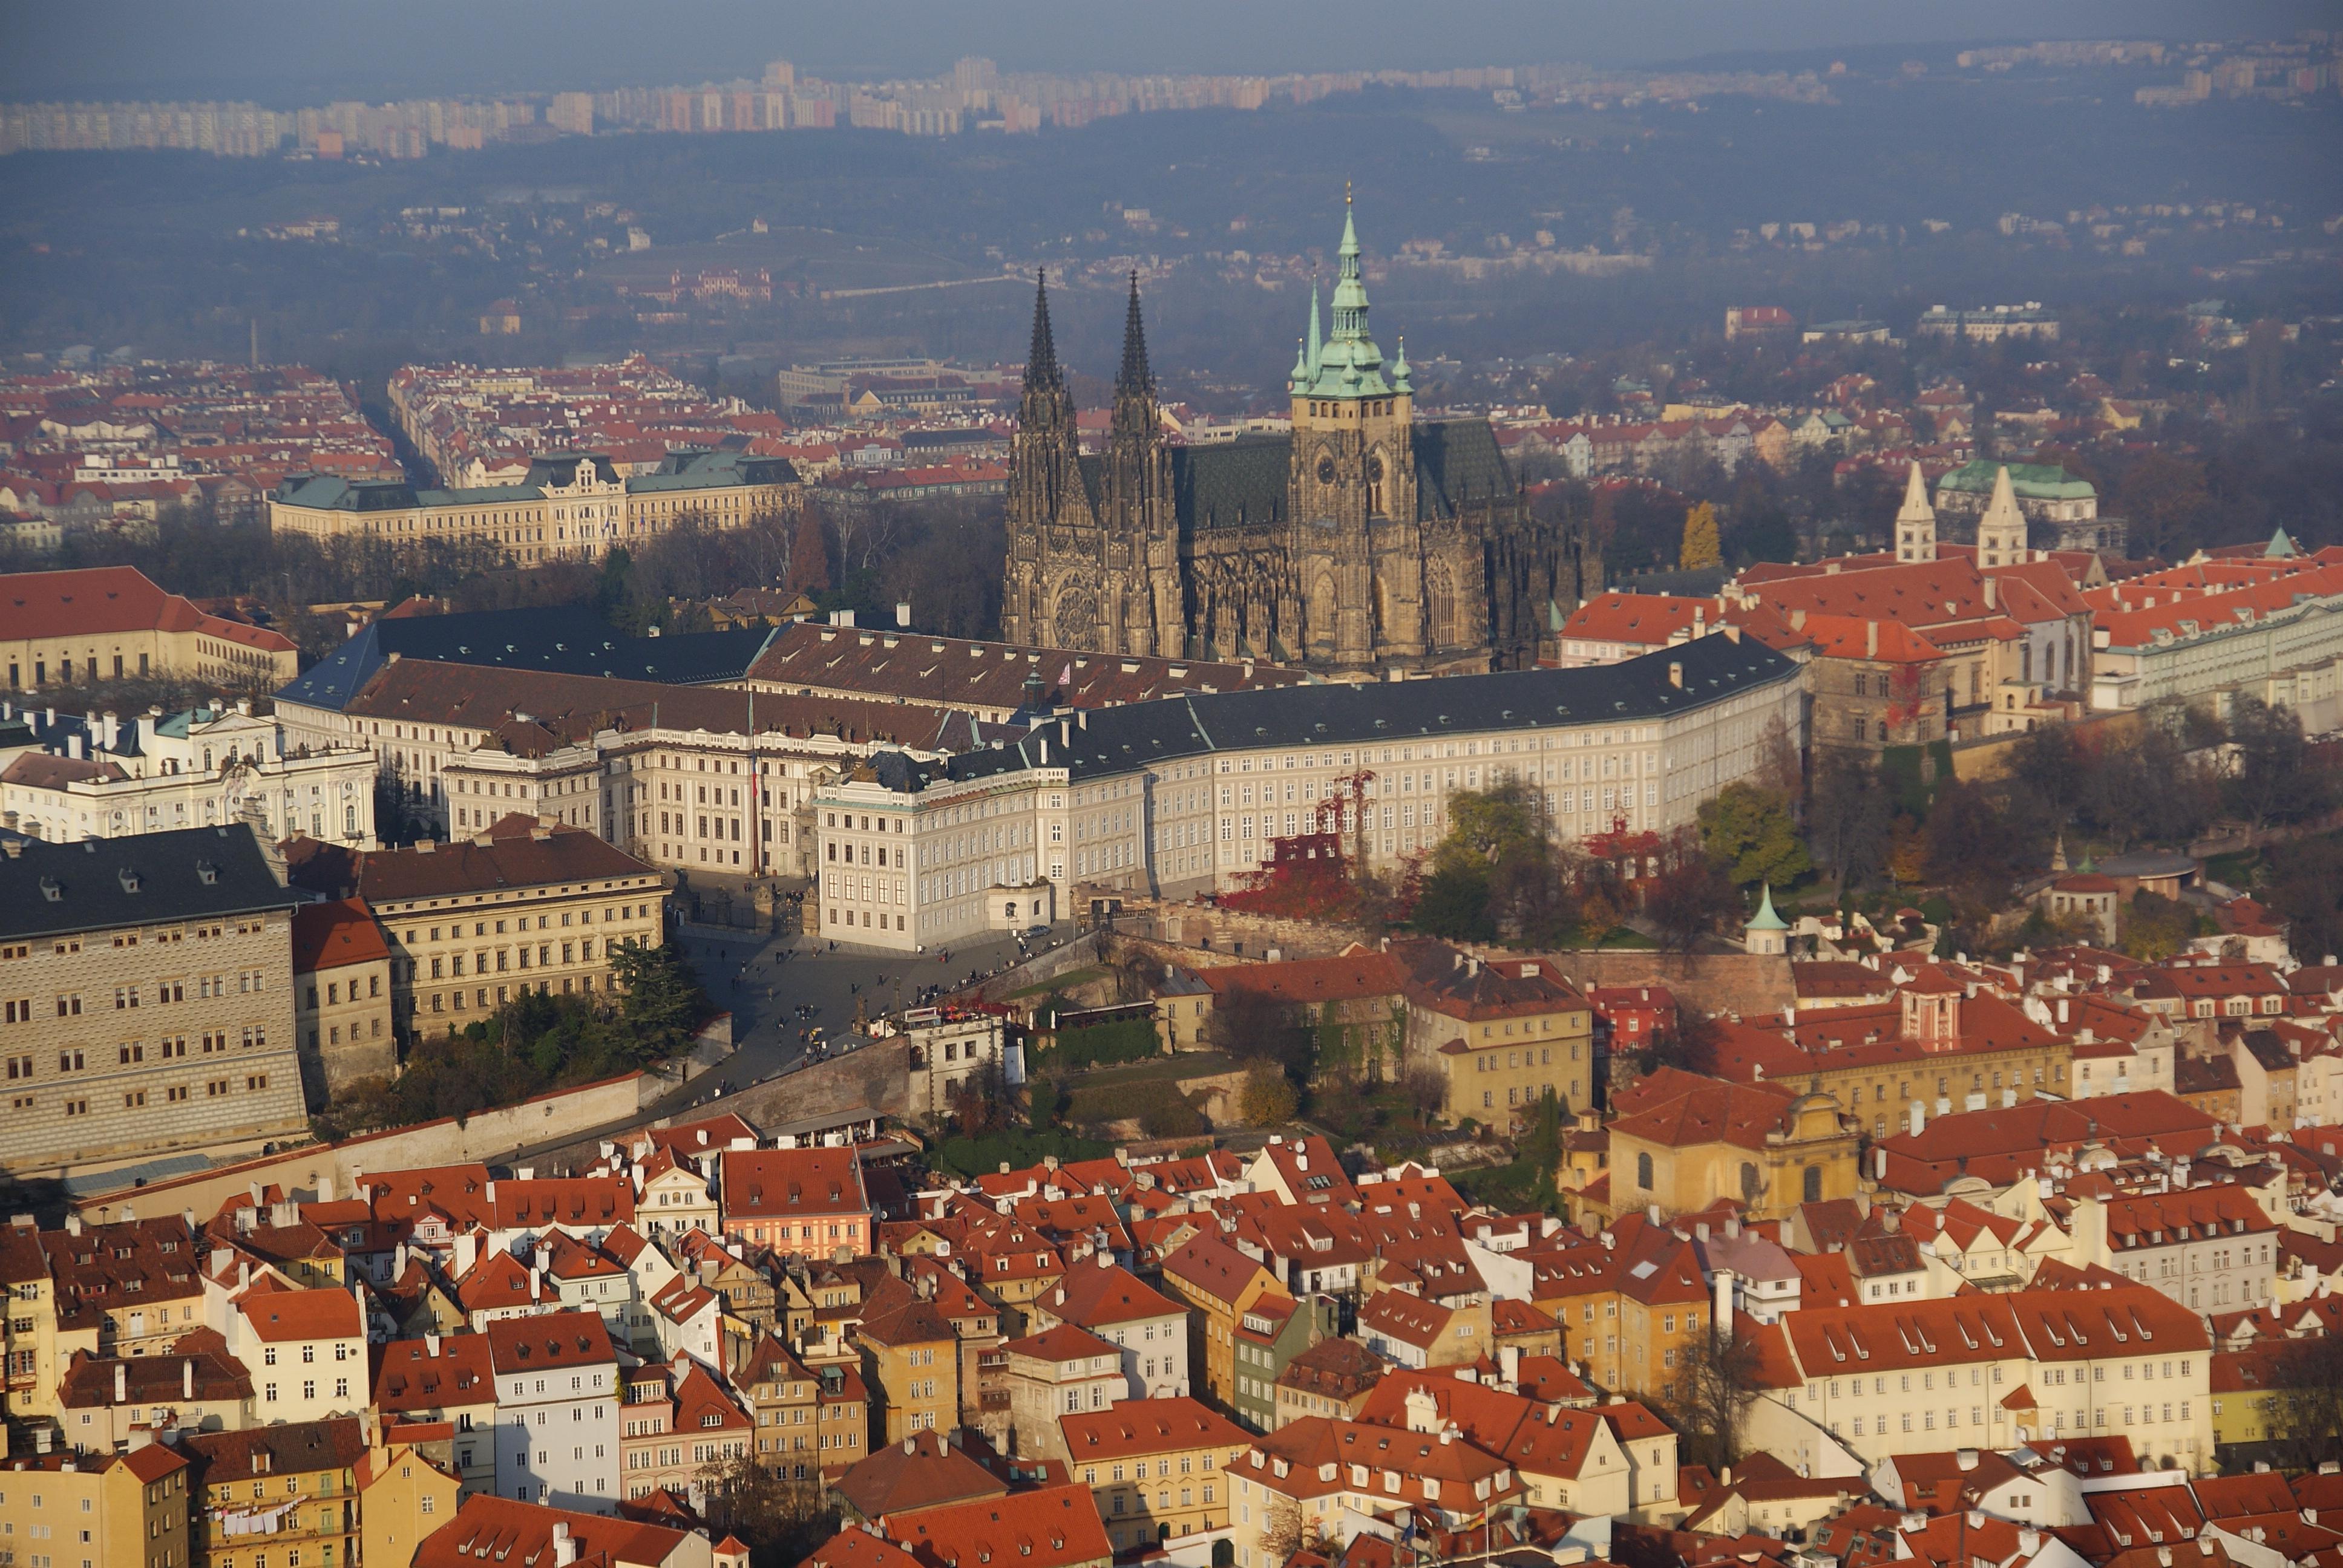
{"points": [[1018, 1146]]}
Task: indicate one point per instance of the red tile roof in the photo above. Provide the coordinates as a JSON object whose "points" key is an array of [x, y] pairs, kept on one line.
{"points": [[334, 934]]}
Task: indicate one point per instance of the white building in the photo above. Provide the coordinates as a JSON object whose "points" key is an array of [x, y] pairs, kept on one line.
{"points": [[2280, 640], [557, 1399], [1115, 1304], [1195, 794], [306, 1350], [93, 776]]}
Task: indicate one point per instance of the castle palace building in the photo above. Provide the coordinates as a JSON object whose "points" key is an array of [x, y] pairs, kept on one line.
{"points": [[1365, 543]]}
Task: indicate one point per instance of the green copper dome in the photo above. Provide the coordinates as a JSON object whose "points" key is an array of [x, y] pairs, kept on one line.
{"points": [[1346, 364]]}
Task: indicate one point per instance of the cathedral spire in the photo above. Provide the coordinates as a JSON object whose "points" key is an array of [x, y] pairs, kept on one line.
{"points": [[1134, 376], [1916, 522], [1315, 341], [1041, 359], [2001, 532]]}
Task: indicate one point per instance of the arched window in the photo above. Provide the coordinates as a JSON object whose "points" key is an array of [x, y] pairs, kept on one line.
{"points": [[1644, 1171], [1813, 1184]]}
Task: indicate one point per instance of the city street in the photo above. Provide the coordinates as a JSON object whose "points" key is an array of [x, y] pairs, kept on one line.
{"points": [[763, 979]]}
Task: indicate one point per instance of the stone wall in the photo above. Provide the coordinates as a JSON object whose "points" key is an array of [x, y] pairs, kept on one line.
{"points": [[489, 1136], [1744, 983]]}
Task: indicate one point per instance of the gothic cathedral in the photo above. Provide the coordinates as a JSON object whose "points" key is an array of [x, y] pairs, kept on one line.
{"points": [[1365, 544]]}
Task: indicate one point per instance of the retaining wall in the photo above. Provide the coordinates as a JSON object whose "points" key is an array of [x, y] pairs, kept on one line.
{"points": [[486, 1136]]}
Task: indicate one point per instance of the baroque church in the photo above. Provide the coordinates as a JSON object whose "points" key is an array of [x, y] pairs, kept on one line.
{"points": [[1365, 543]]}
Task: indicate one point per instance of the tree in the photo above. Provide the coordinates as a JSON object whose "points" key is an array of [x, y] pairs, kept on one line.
{"points": [[1749, 831], [659, 997], [1453, 902], [1849, 815], [1255, 1026], [1973, 845], [2306, 890], [808, 554], [2305, 1410], [2275, 777], [1267, 1099], [1425, 1089], [1714, 1385], [1688, 900], [1700, 543], [2153, 927], [781, 1520], [980, 1102]]}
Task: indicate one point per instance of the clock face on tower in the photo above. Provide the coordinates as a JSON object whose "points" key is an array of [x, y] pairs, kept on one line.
{"points": [[1325, 467], [1374, 468]]}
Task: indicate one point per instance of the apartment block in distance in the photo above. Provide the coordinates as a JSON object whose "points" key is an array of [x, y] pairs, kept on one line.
{"points": [[145, 995]]}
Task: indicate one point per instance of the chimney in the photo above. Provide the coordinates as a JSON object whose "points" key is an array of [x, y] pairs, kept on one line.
{"points": [[121, 1383], [1991, 594], [1723, 1310], [467, 1254], [1675, 674], [431, 1346], [187, 1379], [1870, 640], [565, 1546]]}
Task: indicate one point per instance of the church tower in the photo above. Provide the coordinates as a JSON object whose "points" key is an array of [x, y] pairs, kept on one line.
{"points": [[1147, 612], [1049, 510], [1916, 522], [1359, 572], [2001, 532]]}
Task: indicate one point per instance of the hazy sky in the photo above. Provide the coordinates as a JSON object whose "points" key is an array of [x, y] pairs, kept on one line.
{"points": [[282, 52]]}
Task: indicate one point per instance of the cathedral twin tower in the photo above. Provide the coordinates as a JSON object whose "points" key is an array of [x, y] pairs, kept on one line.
{"points": [[1364, 544]]}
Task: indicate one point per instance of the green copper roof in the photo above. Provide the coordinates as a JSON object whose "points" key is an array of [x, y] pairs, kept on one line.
{"points": [[1346, 363], [2031, 481], [1765, 919]]}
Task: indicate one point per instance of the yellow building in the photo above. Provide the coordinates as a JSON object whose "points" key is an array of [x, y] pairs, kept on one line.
{"points": [[268, 1490], [93, 624], [911, 1352], [341, 993], [518, 906], [111, 1510], [572, 505], [2244, 1387], [1218, 1283], [1684, 1142], [1157, 1468], [1502, 1033], [402, 1497]]}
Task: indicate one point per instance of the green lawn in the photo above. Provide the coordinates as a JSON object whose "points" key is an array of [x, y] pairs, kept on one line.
{"points": [[1625, 937]]}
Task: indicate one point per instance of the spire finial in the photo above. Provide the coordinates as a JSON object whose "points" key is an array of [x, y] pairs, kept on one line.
{"points": [[1041, 358], [1134, 377], [1346, 193]]}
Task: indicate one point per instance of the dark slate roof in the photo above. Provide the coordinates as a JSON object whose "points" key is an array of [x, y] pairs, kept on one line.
{"points": [[1456, 464], [562, 469], [93, 882], [1103, 742], [1245, 482], [567, 639], [689, 468], [1233, 486]]}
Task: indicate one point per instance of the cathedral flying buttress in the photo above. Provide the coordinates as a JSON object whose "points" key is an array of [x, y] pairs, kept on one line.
{"points": [[1365, 543]]}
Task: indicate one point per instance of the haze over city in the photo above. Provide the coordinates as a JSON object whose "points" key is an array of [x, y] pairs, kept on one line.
{"points": [[1234, 787]]}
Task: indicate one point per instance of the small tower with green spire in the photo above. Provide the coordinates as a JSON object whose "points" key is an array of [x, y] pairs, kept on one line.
{"points": [[1766, 932]]}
